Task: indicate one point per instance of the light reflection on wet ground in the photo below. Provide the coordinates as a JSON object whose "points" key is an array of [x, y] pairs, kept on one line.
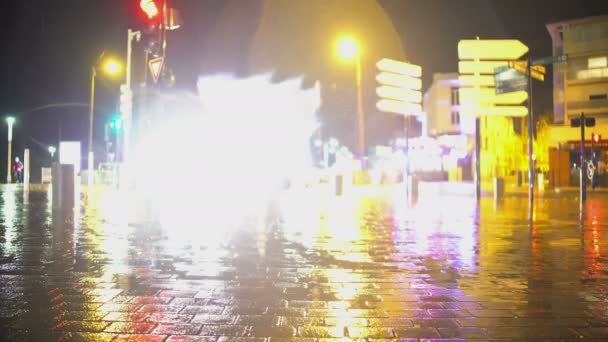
{"points": [[362, 266]]}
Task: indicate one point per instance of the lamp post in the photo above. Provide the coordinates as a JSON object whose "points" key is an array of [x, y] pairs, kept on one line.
{"points": [[348, 49], [9, 121], [111, 67], [52, 150]]}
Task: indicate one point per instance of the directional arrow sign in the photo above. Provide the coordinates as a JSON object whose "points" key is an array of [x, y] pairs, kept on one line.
{"points": [[399, 67], [472, 80], [398, 107], [156, 66], [471, 110], [537, 71], [503, 49], [503, 110], [481, 67], [488, 95], [399, 94], [399, 89], [550, 60], [399, 81]]}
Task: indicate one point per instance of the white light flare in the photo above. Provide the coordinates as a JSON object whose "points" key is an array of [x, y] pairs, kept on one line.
{"points": [[223, 164]]}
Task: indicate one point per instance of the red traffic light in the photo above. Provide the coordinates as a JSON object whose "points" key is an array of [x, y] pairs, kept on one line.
{"points": [[149, 7], [596, 137]]}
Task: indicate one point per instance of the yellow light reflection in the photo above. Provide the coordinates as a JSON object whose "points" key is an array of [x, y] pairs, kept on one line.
{"points": [[10, 214]]}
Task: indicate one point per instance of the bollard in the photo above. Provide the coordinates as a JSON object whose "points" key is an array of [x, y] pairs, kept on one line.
{"points": [[499, 187], [541, 182], [412, 186], [339, 186], [519, 179], [64, 186], [26, 169]]}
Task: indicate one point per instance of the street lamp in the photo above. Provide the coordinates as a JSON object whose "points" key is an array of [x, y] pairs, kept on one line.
{"points": [[52, 150], [9, 121], [348, 49], [111, 67]]}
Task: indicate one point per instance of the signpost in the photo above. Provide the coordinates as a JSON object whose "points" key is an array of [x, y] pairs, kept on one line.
{"points": [[510, 80], [400, 92], [478, 61], [156, 66], [581, 122], [399, 89], [536, 71], [550, 60]]}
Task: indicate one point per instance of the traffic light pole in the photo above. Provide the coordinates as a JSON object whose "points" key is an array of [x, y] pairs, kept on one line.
{"points": [[531, 172], [90, 161], [127, 109]]}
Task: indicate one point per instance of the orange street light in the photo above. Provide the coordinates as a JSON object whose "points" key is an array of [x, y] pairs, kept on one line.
{"points": [[348, 48]]}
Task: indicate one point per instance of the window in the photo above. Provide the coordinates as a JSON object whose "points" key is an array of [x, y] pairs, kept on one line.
{"points": [[598, 97], [455, 118], [455, 97]]}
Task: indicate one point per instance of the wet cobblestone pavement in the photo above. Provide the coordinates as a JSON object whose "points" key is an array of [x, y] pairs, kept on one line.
{"points": [[361, 267]]}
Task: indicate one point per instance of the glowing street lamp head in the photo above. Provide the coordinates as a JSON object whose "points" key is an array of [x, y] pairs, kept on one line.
{"points": [[52, 149], [112, 67], [10, 120], [347, 48]]}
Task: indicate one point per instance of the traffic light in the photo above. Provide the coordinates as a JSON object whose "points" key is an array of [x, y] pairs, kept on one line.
{"points": [[117, 123], [150, 8], [151, 32]]}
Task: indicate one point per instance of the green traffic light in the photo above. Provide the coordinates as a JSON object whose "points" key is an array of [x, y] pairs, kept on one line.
{"points": [[117, 123]]}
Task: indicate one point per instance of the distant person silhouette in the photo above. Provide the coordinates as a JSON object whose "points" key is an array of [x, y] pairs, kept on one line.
{"points": [[18, 170]]}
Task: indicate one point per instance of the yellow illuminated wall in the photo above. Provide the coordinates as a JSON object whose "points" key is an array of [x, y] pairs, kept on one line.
{"points": [[503, 152]]}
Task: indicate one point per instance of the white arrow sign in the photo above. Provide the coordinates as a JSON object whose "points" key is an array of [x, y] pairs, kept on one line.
{"points": [[499, 49]]}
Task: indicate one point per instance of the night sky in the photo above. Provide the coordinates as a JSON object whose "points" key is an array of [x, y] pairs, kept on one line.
{"points": [[48, 48]]}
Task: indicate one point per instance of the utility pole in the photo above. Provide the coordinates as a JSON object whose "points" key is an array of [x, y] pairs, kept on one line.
{"points": [[128, 108]]}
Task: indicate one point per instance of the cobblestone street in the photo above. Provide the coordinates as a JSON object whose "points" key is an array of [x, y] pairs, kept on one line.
{"points": [[361, 267]]}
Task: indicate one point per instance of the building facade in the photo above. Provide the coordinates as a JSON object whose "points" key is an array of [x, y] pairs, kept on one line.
{"points": [[442, 107], [503, 148], [580, 85], [443, 123]]}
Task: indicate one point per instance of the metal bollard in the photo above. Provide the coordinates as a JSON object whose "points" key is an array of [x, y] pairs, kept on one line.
{"points": [[499, 187]]}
